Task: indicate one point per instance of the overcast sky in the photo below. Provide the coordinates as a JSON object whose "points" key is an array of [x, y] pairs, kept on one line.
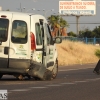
{"points": [[14, 5]]}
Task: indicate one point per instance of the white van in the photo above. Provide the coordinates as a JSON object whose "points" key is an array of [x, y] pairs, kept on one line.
{"points": [[26, 46]]}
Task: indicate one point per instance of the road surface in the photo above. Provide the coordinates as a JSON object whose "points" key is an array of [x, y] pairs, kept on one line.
{"points": [[77, 82]]}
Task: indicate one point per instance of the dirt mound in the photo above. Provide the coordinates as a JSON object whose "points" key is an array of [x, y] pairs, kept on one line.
{"points": [[70, 53]]}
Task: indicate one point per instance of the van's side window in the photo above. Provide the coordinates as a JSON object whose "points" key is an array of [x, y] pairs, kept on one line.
{"points": [[38, 34], [4, 23], [19, 32], [49, 38]]}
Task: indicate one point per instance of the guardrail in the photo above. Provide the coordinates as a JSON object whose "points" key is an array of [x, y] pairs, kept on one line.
{"points": [[85, 40]]}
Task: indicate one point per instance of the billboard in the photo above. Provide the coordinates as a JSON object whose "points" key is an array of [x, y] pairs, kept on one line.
{"points": [[77, 7]]}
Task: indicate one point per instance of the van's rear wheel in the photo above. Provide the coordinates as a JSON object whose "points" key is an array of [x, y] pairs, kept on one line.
{"points": [[1, 76], [55, 70]]}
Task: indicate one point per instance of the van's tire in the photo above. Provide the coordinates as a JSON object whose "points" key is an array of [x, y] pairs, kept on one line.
{"points": [[1, 76], [55, 70], [47, 75]]}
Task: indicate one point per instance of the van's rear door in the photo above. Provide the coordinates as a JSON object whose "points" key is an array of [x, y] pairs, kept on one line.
{"points": [[5, 19], [19, 55]]}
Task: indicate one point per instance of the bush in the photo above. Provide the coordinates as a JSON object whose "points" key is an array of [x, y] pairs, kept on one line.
{"points": [[97, 53]]}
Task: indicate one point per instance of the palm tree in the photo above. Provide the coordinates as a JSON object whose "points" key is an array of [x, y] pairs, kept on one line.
{"points": [[57, 23]]}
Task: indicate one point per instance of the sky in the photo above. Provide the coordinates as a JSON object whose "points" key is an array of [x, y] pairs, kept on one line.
{"points": [[51, 7]]}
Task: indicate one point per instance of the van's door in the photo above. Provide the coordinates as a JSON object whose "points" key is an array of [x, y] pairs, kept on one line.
{"points": [[41, 53], [5, 20], [37, 31], [52, 54], [19, 53]]}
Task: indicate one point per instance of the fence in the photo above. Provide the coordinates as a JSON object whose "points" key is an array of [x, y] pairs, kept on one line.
{"points": [[85, 40]]}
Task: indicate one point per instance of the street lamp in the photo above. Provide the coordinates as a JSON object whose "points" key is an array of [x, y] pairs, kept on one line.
{"points": [[38, 10], [30, 9], [23, 8], [45, 12]]}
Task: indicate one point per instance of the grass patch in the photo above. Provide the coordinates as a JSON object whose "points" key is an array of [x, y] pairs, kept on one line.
{"points": [[70, 53]]}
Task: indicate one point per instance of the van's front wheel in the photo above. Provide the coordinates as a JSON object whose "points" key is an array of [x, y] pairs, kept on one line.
{"points": [[55, 70]]}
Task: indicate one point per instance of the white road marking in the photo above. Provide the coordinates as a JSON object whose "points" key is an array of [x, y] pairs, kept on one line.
{"points": [[7, 83], [9, 92], [87, 80], [67, 83], [54, 85], [74, 69], [93, 79], [38, 87], [20, 90], [80, 81]]}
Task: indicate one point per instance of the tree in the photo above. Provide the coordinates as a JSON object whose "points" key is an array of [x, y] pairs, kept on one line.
{"points": [[87, 33], [97, 32], [58, 25], [72, 34], [90, 33], [7, 10], [97, 53]]}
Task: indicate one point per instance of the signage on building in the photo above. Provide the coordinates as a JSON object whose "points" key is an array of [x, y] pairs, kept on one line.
{"points": [[77, 7]]}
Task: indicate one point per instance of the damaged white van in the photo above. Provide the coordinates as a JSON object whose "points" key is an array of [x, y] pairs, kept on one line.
{"points": [[27, 48]]}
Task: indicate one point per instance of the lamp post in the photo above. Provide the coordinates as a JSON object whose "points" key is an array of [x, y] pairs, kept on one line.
{"points": [[45, 12], [24, 8], [30, 9]]}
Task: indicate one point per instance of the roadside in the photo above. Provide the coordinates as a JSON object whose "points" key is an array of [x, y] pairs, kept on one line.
{"points": [[77, 66], [71, 53]]}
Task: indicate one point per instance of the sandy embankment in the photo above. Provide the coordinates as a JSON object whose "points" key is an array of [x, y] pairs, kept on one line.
{"points": [[70, 53]]}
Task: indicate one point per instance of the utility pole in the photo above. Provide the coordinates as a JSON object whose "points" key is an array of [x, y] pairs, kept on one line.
{"points": [[20, 7], [77, 22]]}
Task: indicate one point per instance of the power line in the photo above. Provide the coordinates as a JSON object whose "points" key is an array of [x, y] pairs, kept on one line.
{"points": [[83, 23]]}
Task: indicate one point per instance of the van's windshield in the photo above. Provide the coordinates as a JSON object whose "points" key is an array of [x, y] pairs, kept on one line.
{"points": [[3, 29], [19, 32]]}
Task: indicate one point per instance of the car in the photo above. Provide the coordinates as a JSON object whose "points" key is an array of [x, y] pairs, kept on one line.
{"points": [[27, 47]]}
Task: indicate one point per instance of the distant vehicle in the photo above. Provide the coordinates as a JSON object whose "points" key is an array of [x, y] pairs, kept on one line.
{"points": [[26, 46]]}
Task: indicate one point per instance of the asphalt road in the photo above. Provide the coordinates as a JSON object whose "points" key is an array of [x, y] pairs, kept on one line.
{"points": [[77, 82]]}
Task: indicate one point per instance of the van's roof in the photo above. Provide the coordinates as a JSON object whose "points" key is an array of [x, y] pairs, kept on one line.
{"points": [[21, 13]]}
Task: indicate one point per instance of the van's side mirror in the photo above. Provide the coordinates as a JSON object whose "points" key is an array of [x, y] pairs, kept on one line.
{"points": [[57, 40]]}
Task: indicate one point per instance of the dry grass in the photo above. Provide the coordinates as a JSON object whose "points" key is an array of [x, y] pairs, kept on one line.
{"points": [[70, 53]]}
